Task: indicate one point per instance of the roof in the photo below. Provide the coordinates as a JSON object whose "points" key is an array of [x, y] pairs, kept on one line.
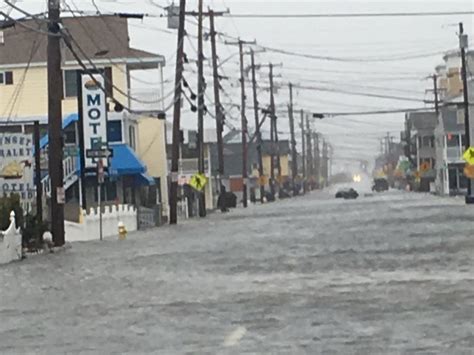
{"points": [[93, 33]]}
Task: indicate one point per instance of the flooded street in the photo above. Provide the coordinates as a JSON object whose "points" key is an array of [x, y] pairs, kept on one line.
{"points": [[388, 273]]}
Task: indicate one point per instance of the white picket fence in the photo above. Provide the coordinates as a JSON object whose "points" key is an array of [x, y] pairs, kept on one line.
{"points": [[89, 228], [10, 242]]}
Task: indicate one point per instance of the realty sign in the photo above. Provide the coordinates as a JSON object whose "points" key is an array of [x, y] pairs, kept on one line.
{"points": [[94, 115], [17, 166]]}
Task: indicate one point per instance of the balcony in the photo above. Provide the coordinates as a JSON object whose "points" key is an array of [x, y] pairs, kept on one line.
{"points": [[454, 154]]}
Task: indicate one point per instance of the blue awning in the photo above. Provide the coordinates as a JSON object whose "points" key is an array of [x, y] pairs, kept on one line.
{"points": [[125, 161], [74, 117]]}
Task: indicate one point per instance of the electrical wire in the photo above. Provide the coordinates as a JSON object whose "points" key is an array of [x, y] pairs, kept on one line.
{"points": [[349, 15]]}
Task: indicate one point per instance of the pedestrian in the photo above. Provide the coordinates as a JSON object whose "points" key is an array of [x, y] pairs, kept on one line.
{"points": [[222, 200]]}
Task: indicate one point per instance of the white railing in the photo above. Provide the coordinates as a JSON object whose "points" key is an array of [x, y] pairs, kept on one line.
{"points": [[70, 169], [10, 242]]}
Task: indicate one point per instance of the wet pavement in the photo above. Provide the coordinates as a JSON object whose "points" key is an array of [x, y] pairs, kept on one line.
{"points": [[385, 274]]}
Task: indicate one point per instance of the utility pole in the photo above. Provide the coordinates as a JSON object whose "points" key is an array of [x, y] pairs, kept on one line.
{"points": [[38, 185], [303, 153], [309, 151], [55, 123], [317, 160], [272, 133], [463, 42], [244, 125], [258, 134], [200, 96], [294, 156], [244, 129], [177, 117], [217, 102], [325, 163]]}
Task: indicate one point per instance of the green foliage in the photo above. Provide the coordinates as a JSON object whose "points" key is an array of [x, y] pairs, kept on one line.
{"points": [[8, 204], [32, 233]]}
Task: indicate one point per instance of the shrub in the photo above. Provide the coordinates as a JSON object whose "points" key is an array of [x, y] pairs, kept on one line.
{"points": [[32, 233]]}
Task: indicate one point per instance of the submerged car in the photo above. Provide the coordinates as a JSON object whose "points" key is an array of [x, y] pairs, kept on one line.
{"points": [[347, 193], [380, 185]]}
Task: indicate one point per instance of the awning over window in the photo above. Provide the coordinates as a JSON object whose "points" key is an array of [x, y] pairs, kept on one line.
{"points": [[126, 162]]}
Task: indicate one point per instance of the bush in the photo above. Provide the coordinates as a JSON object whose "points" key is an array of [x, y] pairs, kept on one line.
{"points": [[7, 205], [32, 233]]}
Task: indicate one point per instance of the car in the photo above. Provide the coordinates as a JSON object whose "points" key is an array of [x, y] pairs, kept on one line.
{"points": [[347, 193], [380, 184]]}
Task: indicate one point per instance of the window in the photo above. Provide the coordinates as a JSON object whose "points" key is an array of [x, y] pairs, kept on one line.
{"points": [[70, 83], [463, 141], [114, 131], [6, 78]]}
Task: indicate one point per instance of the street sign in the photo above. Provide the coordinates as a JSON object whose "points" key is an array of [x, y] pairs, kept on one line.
{"points": [[469, 171], [198, 182], [99, 153], [468, 156]]}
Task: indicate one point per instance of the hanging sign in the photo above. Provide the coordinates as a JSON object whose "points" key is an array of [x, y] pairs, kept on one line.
{"points": [[94, 116]]}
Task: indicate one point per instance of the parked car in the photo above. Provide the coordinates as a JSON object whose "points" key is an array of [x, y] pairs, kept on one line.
{"points": [[347, 193], [380, 184]]}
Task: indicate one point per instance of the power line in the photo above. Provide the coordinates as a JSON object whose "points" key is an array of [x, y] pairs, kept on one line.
{"points": [[379, 112], [347, 15], [347, 92]]}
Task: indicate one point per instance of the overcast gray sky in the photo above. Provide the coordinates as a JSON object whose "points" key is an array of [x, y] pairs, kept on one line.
{"points": [[382, 41]]}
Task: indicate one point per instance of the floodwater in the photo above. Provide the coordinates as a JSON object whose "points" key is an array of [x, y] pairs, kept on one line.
{"points": [[389, 273]]}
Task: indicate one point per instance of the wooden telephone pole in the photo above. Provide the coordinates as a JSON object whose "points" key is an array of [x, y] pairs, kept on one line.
{"points": [[55, 123], [244, 128], [275, 151], [309, 151], [217, 103], [200, 97], [303, 153], [294, 154], [177, 117], [258, 134], [463, 42]]}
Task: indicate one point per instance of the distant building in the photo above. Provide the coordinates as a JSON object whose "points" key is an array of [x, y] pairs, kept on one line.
{"points": [[421, 130]]}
